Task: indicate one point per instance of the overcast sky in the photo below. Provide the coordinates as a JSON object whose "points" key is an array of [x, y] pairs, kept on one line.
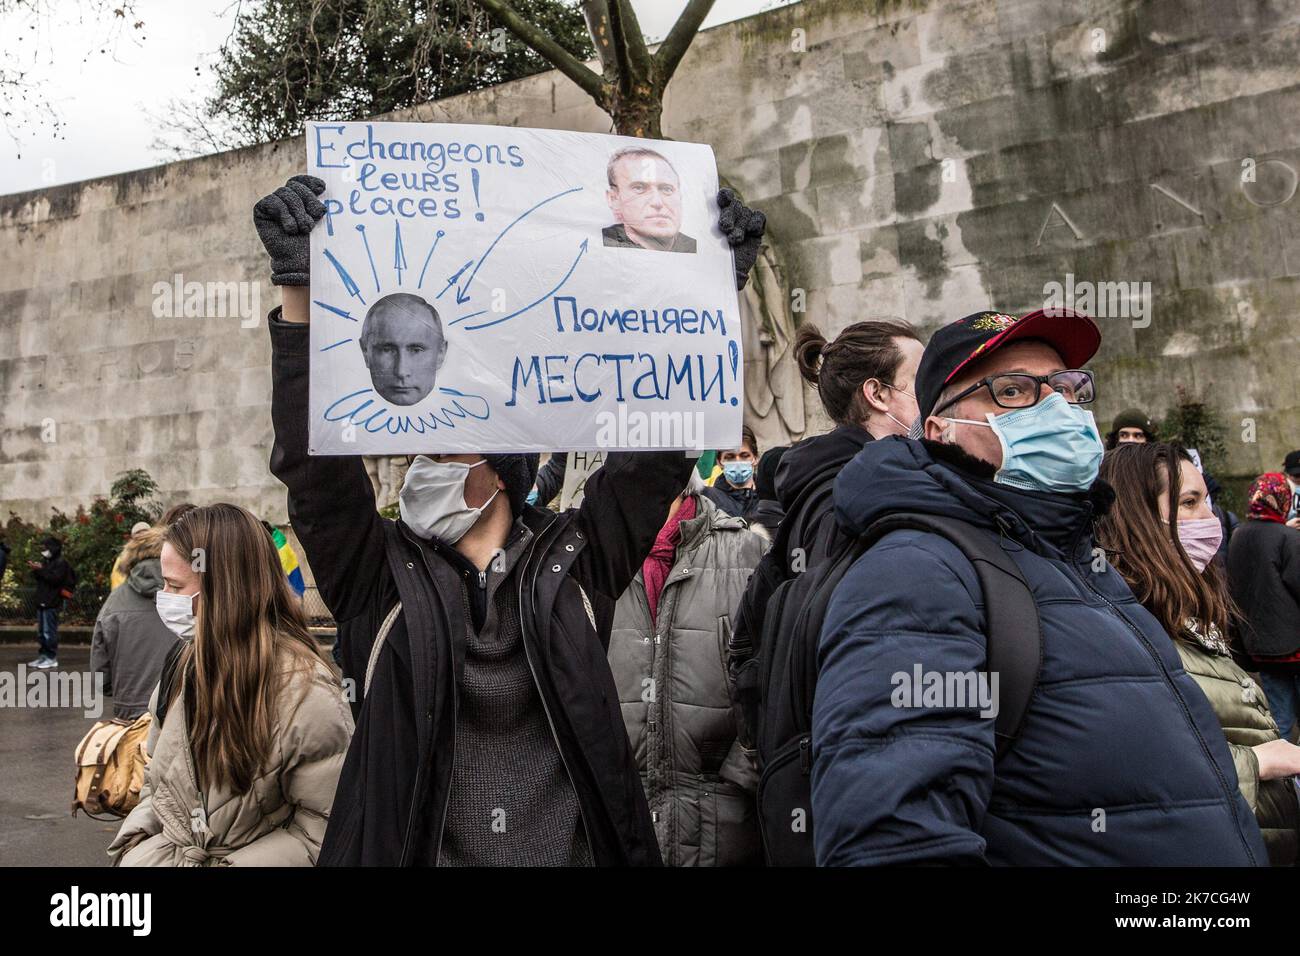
{"points": [[105, 100]]}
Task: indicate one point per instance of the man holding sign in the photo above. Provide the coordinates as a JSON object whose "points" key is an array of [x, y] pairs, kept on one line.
{"points": [[476, 626]]}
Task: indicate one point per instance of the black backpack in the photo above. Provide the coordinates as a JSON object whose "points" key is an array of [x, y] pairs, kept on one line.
{"points": [[787, 667]]}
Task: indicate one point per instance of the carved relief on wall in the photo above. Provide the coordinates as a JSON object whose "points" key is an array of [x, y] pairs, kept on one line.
{"points": [[386, 473]]}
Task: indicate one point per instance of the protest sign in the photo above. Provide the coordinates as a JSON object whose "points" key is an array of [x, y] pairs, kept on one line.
{"points": [[580, 466], [490, 289]]}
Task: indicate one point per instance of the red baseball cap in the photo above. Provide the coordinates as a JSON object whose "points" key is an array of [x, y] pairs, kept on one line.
{"points": [[1074, 335]]}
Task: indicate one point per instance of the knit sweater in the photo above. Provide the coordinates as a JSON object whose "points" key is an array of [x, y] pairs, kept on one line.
{"points": [[511, 802]]}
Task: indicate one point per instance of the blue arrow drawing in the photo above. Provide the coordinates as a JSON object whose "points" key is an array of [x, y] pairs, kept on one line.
{"points": [[348, 282], [366, 242], [399, 253], [420, 284], [461, 296], [335, 309], [559, 285], [452, 280]]}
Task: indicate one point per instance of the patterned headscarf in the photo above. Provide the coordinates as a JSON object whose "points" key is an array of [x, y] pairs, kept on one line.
{"points": [[1270, 498]]}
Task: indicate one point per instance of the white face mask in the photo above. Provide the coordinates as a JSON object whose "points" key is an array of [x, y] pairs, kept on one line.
{"points": [[177, 612], [906, 429], [432, 500], [45, 554]]}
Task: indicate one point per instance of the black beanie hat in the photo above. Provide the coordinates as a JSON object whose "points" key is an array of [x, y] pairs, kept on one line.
{"points": [[518, 472], [1134, 418]]}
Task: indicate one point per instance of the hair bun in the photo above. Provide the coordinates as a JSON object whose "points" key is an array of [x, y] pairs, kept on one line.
{"points": [[809, 344]]}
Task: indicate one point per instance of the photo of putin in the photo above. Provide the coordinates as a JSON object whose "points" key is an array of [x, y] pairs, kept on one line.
{"points": [[646, 199], [404, 346]]}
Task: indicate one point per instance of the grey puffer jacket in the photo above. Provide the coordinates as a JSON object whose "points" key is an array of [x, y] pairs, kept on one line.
{"points": [[676, 701], [280, 821], [130, 641]]}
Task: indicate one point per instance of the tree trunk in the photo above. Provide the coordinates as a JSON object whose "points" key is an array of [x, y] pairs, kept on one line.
{"points": [[637, 114]]}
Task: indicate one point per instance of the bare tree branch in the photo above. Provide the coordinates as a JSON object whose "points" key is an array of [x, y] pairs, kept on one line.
{"points": [[679, 38], [186, 128], [596, 13], [635, 65], [591, 83]]}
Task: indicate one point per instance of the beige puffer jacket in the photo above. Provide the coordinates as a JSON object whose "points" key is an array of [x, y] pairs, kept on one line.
{"points": [[279, 822], [1243, 712], [676, 700]]}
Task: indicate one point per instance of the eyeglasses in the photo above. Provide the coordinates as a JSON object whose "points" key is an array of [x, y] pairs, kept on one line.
{"points": [[1022, 390]]}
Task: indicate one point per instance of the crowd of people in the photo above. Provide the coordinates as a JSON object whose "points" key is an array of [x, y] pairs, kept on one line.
{"points": [[959, 627]]}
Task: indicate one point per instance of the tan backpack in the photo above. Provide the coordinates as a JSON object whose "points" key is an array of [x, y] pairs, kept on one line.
{"points": [[111, 760]]}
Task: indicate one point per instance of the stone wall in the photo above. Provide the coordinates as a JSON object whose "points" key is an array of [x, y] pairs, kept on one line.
{"points": [[938, 159]]}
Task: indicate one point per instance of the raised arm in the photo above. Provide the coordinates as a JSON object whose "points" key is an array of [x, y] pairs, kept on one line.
{"points": [[331, 501], [625, 504], [626, 500]]}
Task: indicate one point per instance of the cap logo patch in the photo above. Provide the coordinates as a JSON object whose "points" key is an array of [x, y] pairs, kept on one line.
{"points": [[993, 322]]}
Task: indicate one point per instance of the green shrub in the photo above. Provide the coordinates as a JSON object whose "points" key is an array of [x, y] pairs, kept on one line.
{"points": [[92, 539]]}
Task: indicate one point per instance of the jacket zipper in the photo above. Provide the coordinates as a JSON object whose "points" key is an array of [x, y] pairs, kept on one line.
{"points": [[419, 770], [542, 697], [1187, 715], [660, 764], [455, 704]]}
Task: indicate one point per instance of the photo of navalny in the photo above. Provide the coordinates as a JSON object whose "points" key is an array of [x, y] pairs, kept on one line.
{"points": [[646, 199]]}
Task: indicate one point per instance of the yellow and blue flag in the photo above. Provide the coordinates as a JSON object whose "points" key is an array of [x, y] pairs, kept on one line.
{"points": [[288, 561]]}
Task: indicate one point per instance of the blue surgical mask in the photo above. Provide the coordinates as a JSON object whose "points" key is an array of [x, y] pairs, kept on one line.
{"points": [[1052, 446], [738, 472]]}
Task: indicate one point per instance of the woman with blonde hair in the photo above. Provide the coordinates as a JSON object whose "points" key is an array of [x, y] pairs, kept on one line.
{"points": [[250, 724]]}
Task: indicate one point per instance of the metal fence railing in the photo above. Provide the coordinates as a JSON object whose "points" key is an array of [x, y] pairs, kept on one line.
{"points": [[18, 606], [318, 615]]}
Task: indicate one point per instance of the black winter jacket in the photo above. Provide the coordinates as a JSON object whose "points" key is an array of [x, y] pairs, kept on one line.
{"points": [[392, 795], [52, 576], [807, 532], [1264, 578]]}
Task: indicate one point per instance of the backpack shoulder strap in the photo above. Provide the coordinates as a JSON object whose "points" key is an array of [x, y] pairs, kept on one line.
{"points": [[378, 646], [1015, 636]]}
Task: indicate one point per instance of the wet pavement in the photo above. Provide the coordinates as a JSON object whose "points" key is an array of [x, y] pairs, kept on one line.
{"points": [[36, 773]]}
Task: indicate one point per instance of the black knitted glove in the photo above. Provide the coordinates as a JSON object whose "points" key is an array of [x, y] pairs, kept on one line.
{"points": [[284, 222], [743, 228]]}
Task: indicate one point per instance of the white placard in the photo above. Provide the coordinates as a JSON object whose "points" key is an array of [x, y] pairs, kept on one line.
{"points": [[486, 289], [580, 466]]}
